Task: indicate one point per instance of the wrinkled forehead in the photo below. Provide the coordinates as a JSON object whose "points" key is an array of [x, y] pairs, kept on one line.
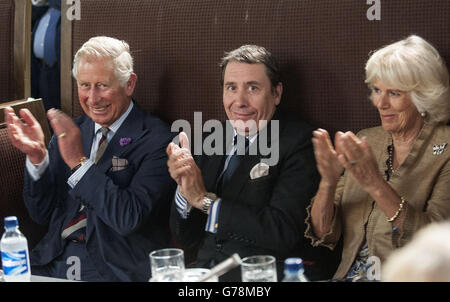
{"points": [[95, 68], [245, 72]]}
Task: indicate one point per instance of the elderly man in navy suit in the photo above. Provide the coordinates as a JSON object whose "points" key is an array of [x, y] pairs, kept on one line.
{"points": [[102, 185], [250, 203]]}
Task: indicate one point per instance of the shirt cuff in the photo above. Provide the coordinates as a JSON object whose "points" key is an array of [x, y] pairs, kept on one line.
{"points": [[213, 217], [36, 171], [79, 173], [183, 207]]}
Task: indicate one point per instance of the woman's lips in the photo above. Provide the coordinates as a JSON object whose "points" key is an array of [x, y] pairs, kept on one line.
{"points": [[387, 116]]}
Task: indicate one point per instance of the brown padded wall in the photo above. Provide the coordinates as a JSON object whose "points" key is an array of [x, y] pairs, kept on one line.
{"points": [[12, 165], [322, 46], [7, 86]]}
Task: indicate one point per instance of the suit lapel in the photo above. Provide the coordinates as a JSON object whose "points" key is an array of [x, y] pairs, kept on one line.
{"points": [[214, 164], [87, 135], [131, 128], [241, 175]]}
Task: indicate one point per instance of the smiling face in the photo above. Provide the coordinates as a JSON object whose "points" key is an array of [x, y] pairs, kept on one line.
{"points": [[99, 91], [397, 112], [248, 95]]}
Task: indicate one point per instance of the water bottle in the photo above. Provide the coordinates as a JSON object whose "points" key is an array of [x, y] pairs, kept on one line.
{"points": [[293, 270], [15, 258]]}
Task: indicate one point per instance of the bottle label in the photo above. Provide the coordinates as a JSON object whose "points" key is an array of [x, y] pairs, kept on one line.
{"points": [[15, 263]]}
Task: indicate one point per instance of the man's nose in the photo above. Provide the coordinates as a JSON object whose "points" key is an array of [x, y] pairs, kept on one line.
{"points": [[94, 96], [241, 98]]}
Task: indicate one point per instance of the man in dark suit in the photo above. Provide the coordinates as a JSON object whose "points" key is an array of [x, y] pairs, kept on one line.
{"points": [[102, 185], [250, 204], [46, 52]]}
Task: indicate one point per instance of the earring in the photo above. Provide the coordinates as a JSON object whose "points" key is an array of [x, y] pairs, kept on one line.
{"points": [[423, 114]]}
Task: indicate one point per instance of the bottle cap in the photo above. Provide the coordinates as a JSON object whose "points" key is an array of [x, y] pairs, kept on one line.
{"points": [[11, 222], [293, 264]]}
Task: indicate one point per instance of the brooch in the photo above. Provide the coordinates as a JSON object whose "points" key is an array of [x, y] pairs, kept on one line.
{"points": [[438, 149]]}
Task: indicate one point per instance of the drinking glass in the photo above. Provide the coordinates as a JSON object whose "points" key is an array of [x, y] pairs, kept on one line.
{"points": [[167, 265], [260, 268]]}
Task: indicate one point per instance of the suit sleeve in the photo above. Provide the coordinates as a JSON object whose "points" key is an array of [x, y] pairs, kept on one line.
{"points": [[279, 224], [437, 209], [42, 197], [188, 230], [330, 239]]}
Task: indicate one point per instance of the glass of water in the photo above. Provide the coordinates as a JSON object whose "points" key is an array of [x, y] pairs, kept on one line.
{"points": [[260, 268], [194, 274], [167, 265]]}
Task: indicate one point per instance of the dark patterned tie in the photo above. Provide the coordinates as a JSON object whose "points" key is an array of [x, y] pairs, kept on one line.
{"points": [[102, 144], [235, 159]]}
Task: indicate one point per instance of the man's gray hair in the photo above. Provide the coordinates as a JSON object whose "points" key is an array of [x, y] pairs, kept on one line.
{"points": [[253, 54], [107, 48]]}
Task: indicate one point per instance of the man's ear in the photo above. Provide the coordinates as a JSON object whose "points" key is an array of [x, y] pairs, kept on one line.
{"points": [[277, 92], [131, 84]]}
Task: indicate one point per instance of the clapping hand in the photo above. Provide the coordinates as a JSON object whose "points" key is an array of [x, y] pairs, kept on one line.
{"points": [[28, 137], [350, 153], [69, 137], [26, 134], [356, 156], [328, 164], [184, 170]]}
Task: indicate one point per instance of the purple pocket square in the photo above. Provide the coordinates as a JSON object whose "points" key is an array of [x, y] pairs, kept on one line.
{"points": [[124, 141]]}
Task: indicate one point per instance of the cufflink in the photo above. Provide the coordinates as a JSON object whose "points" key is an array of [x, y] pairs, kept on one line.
{"points": [[82, 161]]}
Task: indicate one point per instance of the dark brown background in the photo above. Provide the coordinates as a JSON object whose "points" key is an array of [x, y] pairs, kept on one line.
{"points": [[322, 46]]}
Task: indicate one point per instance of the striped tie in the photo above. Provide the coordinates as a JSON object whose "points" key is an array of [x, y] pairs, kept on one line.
{"points": [[102, 144], [75, 230]]}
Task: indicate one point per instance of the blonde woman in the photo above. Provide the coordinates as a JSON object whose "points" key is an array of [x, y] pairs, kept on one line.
{"points": [[380, 186]]}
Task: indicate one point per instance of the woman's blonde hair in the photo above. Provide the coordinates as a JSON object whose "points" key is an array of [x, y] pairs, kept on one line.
{"points": [[415, 66]]}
